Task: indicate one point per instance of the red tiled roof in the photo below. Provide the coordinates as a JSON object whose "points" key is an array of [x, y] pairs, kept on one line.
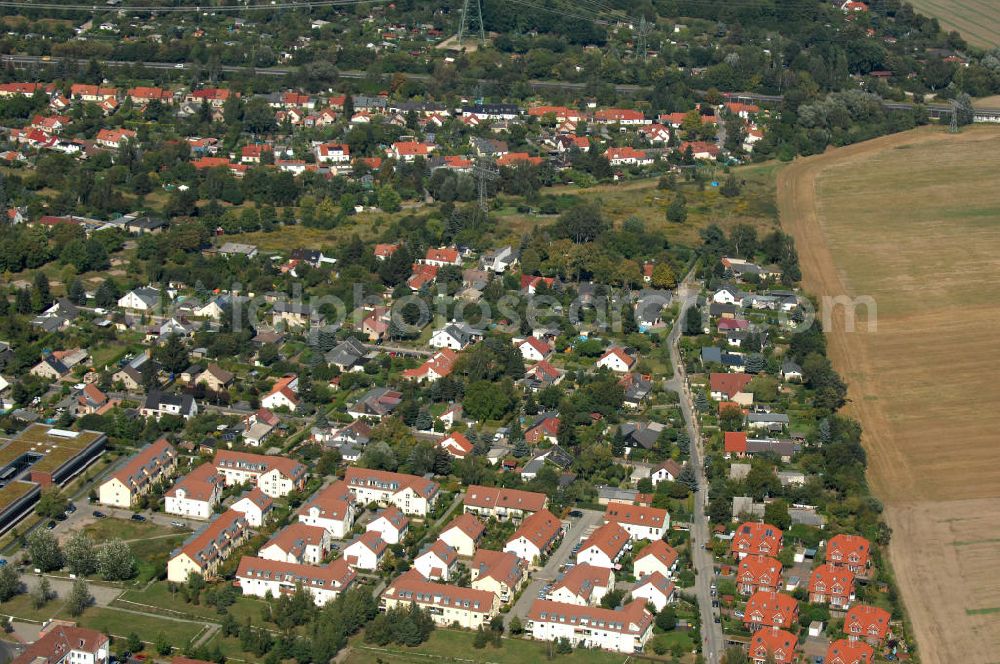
{"points": [[633, 618], [491, 497], [468, 524], [830, 580], [736, 442], [865, 621], [336, 575], [610, 538], [147, 462], [383, 479], [259, 463], [582, 580], [456, 444], [295, 537], [849, 550], [199, 484], [411, 586], [728, 384], [776, 643], [756, 569], [843, 651], [333, 502], [636, 515], [660, 550], [56, 644], [500, 565], [770, 608], [753, 537], [541, 528]]}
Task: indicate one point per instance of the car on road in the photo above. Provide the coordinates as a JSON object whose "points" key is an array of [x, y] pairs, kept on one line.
{"points": [[576, 514], [100, 311], [179, 66], [99, 514], [718, 620], [70, 508], [176, 524], [138, 517]]}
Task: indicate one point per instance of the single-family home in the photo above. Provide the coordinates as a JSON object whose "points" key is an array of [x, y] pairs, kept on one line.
{"points": [[537, 534], [655, 557], [656, 589], [331, 508], [255, 506], [463, 534], [366, 551], [499, 572], [756, 572], [437, 561], [767, 608], [605, 547], [756, 538], [391, 524], [831, 585], [772, 645]]}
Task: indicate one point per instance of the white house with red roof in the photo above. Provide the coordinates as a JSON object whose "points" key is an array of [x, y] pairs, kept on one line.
{"points": [[656, 589], [617, 360], [439, 365], [456, 444], [442, 256], [383, 251], [502, 503], [537, 534], [622, 116], [583, 585], [284, 394], [437, 561], [60, 643], [463, 534], [255, 505], [624, 630], [298, 543], [498, 572], [628, 156], [410, 150], [410, 493], [641, 522], [605, 547], [445, 604], [196, 494], [274, 475], [331, 508], [260, 577], [366, 551], [655, 557], [333, 153], [533, 349], [113, 138], [391, 524]]}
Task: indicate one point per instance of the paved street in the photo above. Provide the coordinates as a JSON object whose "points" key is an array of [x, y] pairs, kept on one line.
{"points": [[714, 642], [579, 528]]}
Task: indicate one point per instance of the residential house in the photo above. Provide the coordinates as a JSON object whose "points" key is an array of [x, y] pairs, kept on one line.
{"points": [[391, 524], [455, 336], [850, 551], [205, 550], [412, 494], [624, 630], [297, 543], [260, 577], [537, 534], [668, 471], [532, 349], [772, 646], [756, 572], [641, 522], [196, 494], [463, 534], [50, 368], [437, 366], [616, 359], [255, 506], [331, 508], [656, 557], [641, 435], [756, 538], [729, 387], [60, 643], [140, 299], [582, 585], [831, 585], [605, 547], [410, 150], [445, 604], [274, 475], [158, 404], [503, 504], [348, 355], [284, 394], [375, 404], [366, 551], [545, 427], [628, 156], [867, 623], [91, 400], [456, 444], [215, 378], [541, 375], [114, 138], [153, 463], [499, 572], [844, 651], [767, 608], [437, 561], [656, 589]]}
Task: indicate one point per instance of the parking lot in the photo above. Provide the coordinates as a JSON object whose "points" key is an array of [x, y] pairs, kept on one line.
{"points": [[580, 527]]}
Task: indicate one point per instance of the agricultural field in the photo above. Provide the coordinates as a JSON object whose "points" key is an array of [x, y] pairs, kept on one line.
{"points": [[910, 220], [977, 20]]}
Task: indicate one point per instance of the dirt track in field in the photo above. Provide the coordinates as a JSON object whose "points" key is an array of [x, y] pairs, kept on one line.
{"points": [[913, 220]]}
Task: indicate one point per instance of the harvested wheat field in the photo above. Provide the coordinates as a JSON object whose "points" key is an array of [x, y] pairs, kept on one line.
{"points": [[978, 21], [913, 220]]}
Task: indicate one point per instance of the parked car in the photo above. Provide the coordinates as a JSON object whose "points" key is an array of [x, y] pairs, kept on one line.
{"points": [[138, 517], [576, 514], [50, 525], [70, 508], [176, 524], [99, 514]]}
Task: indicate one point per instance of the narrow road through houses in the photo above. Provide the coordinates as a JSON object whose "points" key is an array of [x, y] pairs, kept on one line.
{"points": [[713, 639]]}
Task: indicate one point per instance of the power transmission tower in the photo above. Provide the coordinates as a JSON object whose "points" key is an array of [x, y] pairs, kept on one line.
{"points": [[641, 37], [953, 124], [466, 24], [485, 171]]}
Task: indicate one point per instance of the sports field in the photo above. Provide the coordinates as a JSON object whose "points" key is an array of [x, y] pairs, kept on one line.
{"points": [[913, 220], [976, 20]]}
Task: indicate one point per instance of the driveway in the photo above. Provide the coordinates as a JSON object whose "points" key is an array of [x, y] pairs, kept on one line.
{"points": [[579, 527]]}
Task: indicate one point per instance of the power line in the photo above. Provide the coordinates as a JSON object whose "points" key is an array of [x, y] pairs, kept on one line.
{"points": [[198, 9]]}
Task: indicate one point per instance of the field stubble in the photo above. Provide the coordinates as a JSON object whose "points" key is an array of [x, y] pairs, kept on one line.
{"points": [[913, 220]]}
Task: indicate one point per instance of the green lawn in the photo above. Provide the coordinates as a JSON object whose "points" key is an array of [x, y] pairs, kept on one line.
{"points": [[454, 645], [158, 595], [110, 528], [123, 623], [20, 606]]}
